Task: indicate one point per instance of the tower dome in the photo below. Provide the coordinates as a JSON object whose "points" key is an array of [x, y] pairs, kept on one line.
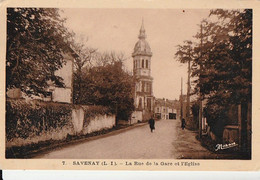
{"points": [[142, 47]]}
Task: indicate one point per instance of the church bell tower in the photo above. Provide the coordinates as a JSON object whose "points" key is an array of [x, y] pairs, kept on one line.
{"points": [[144, 100]]}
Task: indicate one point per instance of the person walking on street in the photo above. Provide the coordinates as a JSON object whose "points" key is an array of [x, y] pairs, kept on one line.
{"points": [[151, 123], [183, 123]]}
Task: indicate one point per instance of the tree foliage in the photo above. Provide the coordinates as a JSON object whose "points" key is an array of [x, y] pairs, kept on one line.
{"points": [[225, 64], [222, 61], [107, 84], [228, 79], [83, 61], [36, 39], [184, 52]]}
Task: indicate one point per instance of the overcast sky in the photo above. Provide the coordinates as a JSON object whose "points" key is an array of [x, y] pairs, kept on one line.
{"points": [[117, 30]]}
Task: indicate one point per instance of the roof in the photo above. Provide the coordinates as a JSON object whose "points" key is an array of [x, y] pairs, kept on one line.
{"points": [[168, 103]]}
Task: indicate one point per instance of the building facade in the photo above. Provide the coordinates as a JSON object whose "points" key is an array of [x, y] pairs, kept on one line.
{"points": [[166, 109], [64, 94], [143, 97], [55, 94]]}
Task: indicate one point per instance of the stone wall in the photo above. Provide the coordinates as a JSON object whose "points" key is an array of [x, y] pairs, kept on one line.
{"points": [[136, 116], [33, 122], [230, 134], [77, 119], [99, 123], [85, 121]]}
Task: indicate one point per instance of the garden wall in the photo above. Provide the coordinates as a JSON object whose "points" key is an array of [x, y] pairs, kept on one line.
{"points": [[231, 134], [98, 123], [31, 122], [136, 116], [88, 119]]}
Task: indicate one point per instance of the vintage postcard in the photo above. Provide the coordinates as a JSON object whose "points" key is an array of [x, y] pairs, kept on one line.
{"points": [[130, 85]]}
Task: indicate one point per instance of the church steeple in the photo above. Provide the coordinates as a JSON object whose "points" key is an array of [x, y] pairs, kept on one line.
{"points": [[142, 31], [143, 97]]}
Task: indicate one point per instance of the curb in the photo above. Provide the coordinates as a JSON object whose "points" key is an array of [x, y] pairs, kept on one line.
{"points": [[47, 149]]}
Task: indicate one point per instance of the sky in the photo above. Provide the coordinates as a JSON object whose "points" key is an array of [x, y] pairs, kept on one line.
{"points": [[118, 29]]}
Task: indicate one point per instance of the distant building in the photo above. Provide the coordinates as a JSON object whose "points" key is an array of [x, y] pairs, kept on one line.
{"points": [[55, 94], [143, 97], [166, 109]]}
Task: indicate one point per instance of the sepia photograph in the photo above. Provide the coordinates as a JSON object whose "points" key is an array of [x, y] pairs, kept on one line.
{"points": [[128, 83], [129, 86]]}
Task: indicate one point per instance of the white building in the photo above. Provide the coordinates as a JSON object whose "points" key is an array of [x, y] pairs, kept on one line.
{"points": [[66, 72], [165, 109], [56, 94]]}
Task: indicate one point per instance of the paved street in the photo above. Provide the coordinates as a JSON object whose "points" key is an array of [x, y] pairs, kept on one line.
{"points": [[168, 141]]}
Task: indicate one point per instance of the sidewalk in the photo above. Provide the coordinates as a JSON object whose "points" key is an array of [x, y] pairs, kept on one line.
{"points": [[188, 147]]}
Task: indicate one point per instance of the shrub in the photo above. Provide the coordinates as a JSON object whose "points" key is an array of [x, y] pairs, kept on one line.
{"points": [[35, 118]]}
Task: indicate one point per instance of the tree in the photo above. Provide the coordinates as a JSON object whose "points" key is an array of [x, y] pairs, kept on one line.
{"points": [[184, 55], [222, 63], [84, 60], [226, 77], [36, 39], [227, 58], [109, 85]]}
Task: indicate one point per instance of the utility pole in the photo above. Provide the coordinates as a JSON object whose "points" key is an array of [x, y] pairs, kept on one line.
{"points": [[188, 90], [165, 113], [200, 96], [181, 101]]}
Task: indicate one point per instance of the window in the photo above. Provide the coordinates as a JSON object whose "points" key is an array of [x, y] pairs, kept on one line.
{"points": [[149, 104], [143, 86], [140, 103], [142, 63], [146, 87], [146, 63], [149, 87]]}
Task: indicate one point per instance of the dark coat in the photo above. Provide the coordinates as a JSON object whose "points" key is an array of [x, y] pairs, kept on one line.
{"points": [[151, 123], [183, 123]]}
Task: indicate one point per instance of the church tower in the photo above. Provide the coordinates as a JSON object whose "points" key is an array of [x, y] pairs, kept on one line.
{"points": [[144, 100]]}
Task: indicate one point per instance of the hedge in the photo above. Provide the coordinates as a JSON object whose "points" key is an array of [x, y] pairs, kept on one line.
{"points": [[27, 120]]}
